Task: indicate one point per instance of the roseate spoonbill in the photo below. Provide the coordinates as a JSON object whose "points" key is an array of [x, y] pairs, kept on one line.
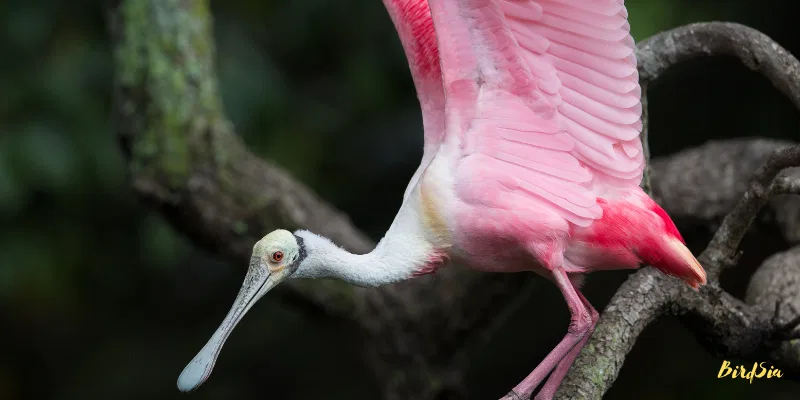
{"points": [[532, 162]]}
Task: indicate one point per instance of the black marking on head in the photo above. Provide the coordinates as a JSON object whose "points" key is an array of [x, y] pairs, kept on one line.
{"points": [[301, 253]]}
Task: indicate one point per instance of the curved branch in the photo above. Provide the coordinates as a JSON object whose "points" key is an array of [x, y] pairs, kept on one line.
{"points": [[721, 251], [726, 326], [777, 282], [700, 185], [786, 185], [599, 363], [754, 49], [762, 329]]}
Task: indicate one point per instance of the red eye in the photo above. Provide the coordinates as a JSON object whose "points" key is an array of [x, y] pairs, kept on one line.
{"points": [[277, 256]]}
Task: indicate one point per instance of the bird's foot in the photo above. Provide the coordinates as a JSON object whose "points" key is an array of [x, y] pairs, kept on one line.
{"points": [[512, 395]]}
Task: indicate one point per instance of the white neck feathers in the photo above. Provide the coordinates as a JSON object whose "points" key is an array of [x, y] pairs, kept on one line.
{"points": [[400, 255]]}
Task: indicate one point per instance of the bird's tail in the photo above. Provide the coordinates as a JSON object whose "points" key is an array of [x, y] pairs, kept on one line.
{"points": [[670, 255], [680, 262]]}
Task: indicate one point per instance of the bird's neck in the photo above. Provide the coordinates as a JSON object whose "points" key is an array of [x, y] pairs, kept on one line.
{"points": [[394, 259], [404, 252]]}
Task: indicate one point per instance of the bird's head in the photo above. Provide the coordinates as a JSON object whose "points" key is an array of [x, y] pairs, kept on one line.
{"points": [[278, 251], [275, 258]]}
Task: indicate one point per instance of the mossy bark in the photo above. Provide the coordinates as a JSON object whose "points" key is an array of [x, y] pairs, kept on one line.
{"points": [[186, 158]]}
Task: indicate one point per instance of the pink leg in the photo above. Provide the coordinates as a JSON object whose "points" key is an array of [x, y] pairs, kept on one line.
{"points": [[554, 381], [579, 326]]}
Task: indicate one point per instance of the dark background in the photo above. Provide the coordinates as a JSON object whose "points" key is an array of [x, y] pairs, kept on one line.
{"points": [[101, 299]]}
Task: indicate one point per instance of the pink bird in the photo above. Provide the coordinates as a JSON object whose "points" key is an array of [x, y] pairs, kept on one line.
{"points": [[532, 162]]}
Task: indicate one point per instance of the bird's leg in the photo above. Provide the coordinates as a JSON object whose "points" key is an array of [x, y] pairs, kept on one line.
{"points": [[579, 326], [558, 374]]}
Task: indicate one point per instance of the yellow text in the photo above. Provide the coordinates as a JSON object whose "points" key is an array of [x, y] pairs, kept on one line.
{"points": [[739, 371]]}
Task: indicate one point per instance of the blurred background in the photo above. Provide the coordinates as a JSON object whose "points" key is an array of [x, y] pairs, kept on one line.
{"points": [[101, 299]]}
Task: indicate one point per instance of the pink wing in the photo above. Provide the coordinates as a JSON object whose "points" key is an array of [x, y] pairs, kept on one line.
{"points": [[412, 20], [544, 99]]}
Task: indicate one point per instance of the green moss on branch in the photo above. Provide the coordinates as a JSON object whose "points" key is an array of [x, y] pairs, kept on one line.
{"points": [[184, 155]]}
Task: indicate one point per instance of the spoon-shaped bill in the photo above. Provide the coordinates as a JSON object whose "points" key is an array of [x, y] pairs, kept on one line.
{"points": [[259, 281]]}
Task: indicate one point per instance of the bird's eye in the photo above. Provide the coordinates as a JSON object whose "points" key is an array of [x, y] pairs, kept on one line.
{"points": [[277, 256]]}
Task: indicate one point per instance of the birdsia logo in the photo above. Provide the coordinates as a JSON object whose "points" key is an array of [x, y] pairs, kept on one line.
{"points": [[739, 371]]}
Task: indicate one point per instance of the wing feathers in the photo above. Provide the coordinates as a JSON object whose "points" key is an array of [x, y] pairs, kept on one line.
{"points": [[598, 99], [615, 68], [632, 147], [554, 108], [612, 35], [530, 40], [604, 164], [598, 125], [600, 7], [598, 93], [412, 20], [614, 21], [525, 9], [596, 78], [601, 143], [566, 190], [560, 141], [588, 44], [599, 110]]}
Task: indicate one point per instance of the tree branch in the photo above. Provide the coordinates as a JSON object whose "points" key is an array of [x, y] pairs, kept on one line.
{"points": [[726, 326], [786, 185], [722, 249], [185, 158], [777, 282], [598, 365], [764, 328], [754, 49], [702, 184]]}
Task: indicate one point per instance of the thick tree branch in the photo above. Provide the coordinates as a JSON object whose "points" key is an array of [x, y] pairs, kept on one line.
{"points": [[786, 185], [764, 328], [722, 249], [700, 185], [754, 49], [721, 315], [728, 327], [777, 282], [184, 156]]}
